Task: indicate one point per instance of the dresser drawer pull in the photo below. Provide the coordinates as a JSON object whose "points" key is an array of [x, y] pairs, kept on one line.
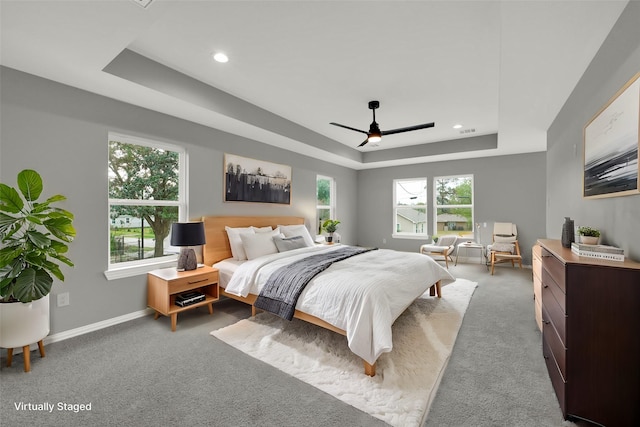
{"points": [[198, 281]]}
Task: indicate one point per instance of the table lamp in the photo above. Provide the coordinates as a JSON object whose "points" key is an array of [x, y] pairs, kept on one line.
{"points": [[187, 234]]}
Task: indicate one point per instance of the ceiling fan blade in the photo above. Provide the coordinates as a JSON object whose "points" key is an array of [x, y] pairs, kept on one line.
{"points": [[348, 127], [364, 142], [408, 128]]}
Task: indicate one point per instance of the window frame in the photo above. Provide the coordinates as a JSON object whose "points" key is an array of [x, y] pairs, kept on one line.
{"points": [[142, 266], [332, 200], [404, 235], [436, 206]]}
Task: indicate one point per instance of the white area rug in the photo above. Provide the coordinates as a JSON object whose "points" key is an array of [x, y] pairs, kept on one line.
{"points": [[406, 378]]}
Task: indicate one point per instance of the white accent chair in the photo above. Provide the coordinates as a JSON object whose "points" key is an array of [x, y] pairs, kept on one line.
{"points": [[443, 248], [505, 246]]}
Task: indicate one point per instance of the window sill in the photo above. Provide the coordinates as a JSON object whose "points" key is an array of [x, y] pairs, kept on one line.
{"points": [[411, 236], [138, 269]]}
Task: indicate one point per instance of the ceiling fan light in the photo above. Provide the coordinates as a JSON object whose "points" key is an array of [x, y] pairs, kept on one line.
{"points": [[374, 137]]}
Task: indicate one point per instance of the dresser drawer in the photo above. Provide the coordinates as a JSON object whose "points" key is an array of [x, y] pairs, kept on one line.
{"points": [[554, 267], [554, 342], [554, 314], [189, 283], [557, 380], [553, 289]]}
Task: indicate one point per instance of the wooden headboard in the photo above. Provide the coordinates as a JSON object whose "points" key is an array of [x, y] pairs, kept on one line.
{"points": [[217, 247]]}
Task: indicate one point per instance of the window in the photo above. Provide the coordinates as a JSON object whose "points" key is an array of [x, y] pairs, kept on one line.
{"points": [[453, 205], [325, 199], [146, 195], [410, 207]]}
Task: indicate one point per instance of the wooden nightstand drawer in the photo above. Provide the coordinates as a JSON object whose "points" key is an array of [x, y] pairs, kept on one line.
{"points": [[188, 283]]}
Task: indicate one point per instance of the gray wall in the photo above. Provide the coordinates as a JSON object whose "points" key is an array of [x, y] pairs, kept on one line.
{"points": [[507, 189], [62, 133], [617, 217]]}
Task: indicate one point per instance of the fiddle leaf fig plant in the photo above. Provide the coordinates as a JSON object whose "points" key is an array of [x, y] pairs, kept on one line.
{"points": [[34, 239], [330, 225]]}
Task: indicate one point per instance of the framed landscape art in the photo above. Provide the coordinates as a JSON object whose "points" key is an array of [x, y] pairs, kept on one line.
{"points": [[250, 180], [611, 145]]}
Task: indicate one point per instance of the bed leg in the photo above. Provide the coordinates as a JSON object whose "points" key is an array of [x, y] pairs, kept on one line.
{"points": [[436, 289], [254, 311], [369, 369]]}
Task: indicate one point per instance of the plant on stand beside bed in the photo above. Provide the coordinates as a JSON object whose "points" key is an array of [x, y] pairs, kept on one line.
{"points": [[330, 226], [34, 239]]}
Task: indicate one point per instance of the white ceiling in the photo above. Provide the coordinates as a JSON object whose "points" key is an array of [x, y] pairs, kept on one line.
{"points": [[499, 67]]}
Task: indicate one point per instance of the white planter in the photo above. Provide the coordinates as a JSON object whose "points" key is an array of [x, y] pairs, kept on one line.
{"points": [[589, 240], [23, 324]]}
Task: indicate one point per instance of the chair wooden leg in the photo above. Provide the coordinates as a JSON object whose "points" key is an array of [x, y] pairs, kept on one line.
{"points": [[41, 347], [493, 262], [9, 357], [27, 358]]}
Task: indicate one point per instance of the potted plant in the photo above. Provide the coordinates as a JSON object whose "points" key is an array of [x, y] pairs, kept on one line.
{"points": [[330, 227], [588, 235], [34, 239]]}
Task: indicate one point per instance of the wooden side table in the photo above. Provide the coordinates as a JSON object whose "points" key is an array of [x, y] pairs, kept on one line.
{"points": [[165, 284]]}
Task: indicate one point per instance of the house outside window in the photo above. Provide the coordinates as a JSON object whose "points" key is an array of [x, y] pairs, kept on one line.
{"points": [[410, 208], [325, 200], [147, 187], [453, 205]]}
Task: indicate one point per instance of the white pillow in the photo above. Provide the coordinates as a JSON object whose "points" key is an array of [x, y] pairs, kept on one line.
{"points": [[297, 230], [262, 229], [259, 244], [237, 249]]}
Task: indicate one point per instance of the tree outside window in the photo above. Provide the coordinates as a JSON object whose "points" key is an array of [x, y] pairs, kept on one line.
{"points": [[454, 205], [145, 198]]}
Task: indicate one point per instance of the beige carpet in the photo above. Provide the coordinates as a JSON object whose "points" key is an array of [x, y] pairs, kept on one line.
{"points": [[407, 378]]}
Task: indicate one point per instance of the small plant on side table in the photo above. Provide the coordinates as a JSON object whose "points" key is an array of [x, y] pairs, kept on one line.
{"points": [[330, 226]]}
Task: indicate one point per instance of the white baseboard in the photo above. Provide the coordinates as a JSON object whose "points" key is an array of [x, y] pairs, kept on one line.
{"points": [[61, 336]]}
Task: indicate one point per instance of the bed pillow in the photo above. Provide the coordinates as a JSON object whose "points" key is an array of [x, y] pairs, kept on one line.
{"points": [[297, 230], [262, 229], [237, 249], [259, 244], [289, 243]]}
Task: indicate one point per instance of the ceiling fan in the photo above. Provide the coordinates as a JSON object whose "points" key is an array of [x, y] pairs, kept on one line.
{"points": [[375, 134]]}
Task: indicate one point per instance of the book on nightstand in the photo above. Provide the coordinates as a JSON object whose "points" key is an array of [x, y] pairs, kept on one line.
{"points": [[188, 298]]}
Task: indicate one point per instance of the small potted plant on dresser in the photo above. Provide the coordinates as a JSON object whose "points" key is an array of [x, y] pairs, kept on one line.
{"points": [[330, 226], [34, 239], [588, 235]]}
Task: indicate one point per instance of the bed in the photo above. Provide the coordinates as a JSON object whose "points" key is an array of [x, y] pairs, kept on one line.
{"points": [[359, 297]]}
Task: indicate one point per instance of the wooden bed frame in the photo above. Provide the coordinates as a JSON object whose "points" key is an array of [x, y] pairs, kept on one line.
{"points": [[217, 248]]}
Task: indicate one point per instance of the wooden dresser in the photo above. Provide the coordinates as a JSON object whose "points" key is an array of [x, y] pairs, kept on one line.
{"points": [[536, 261], [591, 335]]}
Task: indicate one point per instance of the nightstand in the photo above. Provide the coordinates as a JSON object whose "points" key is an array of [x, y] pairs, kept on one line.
{"points": [[165, 284]]}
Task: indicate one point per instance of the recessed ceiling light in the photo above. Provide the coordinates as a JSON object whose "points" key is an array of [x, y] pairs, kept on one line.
{"points": [[457, 126], [221, 57]]}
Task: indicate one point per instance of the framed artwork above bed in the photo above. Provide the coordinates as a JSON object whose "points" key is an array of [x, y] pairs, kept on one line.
{"points": [[257, 181], [611, 144]]}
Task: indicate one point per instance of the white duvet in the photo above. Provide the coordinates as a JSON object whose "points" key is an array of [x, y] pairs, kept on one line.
{"points": [[362, 295]]}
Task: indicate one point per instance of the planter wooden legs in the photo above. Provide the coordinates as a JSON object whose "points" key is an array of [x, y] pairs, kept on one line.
{"points": [[27, 355]]}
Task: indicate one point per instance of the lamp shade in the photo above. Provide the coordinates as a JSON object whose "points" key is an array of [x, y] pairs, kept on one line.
{"points": [[187, 234]]}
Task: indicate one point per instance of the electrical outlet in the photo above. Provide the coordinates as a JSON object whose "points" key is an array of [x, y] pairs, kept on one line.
{"points": [[63, 299], [384, 241]]}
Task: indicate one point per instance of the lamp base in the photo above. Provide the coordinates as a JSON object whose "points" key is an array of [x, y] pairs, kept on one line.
{"points": [[187, 260]]}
